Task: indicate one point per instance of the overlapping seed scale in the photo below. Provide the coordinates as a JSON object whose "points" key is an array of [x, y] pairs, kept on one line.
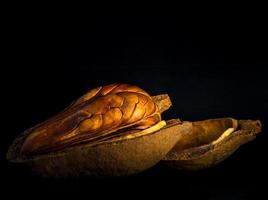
{"points": [[117, 111], [109, 89]]}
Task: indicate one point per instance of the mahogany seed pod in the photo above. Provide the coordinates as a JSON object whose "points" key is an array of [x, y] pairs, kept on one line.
{"points": [[112, 130]]}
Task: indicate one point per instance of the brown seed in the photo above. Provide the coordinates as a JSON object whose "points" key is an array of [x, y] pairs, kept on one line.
{"points": [[97, 114]]}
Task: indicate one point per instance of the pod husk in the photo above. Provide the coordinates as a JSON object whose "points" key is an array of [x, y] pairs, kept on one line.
{"points": [[120, 158], [213, 152]]}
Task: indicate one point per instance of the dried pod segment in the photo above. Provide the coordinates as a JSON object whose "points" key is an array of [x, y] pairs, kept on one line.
{"points": [[111, 130], [119, 158], [211, 141]]}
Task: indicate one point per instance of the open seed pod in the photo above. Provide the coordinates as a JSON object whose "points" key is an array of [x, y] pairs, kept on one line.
{"points": [[112, 130], [211, 141]]}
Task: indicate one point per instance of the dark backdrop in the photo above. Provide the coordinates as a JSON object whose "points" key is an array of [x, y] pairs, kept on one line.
{"points": [[210, 70]]}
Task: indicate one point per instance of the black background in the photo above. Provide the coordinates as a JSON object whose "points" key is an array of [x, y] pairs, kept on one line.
{"points": [[209, 69]]}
